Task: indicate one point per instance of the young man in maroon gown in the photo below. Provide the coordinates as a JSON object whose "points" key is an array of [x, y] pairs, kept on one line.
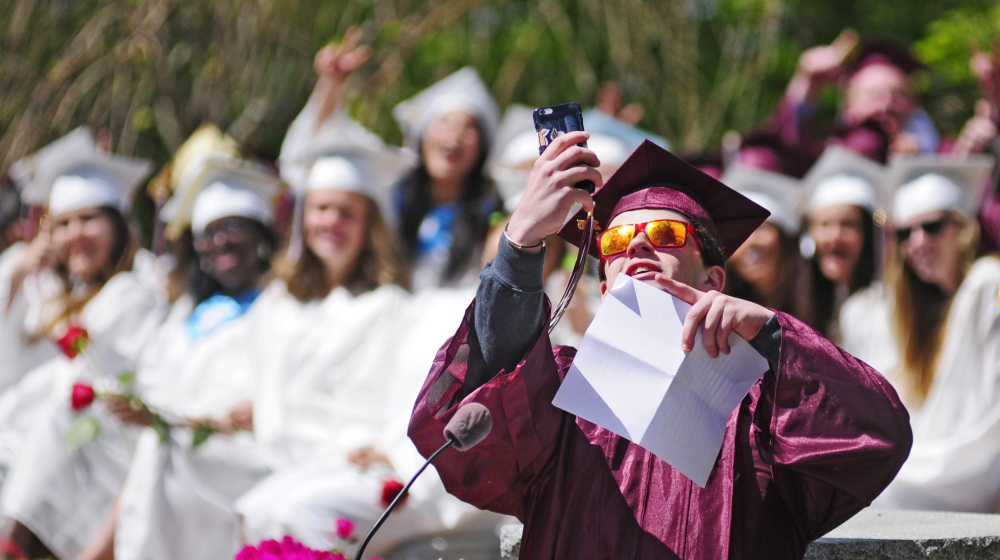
{"points": [[815, 440]]}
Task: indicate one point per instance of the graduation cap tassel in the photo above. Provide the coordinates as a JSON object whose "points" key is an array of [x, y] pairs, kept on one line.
{"points": [[574, 277]]}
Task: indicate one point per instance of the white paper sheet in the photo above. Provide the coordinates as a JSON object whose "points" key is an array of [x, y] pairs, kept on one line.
{"points": [[631, 377]]}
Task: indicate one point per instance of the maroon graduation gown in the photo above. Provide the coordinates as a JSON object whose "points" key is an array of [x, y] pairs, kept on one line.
{"points": [[808, 447]]}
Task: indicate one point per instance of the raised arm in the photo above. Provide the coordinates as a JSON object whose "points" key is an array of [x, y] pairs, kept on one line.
{"points": [[818, 68], [832, 429], [334, 63], [510, 303]]}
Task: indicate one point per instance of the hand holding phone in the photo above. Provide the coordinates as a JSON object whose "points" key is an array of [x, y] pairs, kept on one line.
{"points": [[549, 194], [552, 122]]}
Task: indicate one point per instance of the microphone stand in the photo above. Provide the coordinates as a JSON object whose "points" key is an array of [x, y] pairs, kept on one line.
{"points": [[402, 494]]}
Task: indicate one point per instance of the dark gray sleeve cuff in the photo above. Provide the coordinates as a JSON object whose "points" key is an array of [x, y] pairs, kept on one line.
{"points": [[518, 269], [767, 343]]}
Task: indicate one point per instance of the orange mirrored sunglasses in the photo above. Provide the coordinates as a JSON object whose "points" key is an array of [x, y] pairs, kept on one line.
{"points": [[662, 234]]}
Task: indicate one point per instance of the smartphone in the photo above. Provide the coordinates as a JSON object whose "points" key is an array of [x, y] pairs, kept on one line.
{"points": [[552, 122]]}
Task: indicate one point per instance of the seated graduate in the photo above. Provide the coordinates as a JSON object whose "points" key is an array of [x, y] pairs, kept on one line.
{"points": [[931, 328], [77, 274], [763, 270], [23, 350], [843, 240], [341, 350], [818, 436], [176, 501]]}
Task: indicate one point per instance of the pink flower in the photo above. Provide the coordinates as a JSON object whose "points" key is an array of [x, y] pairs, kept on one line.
{"points": [[287, 549], [391, 488], [345, 529], [82, 397], [74, 341]]}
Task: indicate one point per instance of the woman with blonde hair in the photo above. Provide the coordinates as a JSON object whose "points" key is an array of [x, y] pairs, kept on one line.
{"points": [[933, 330]]}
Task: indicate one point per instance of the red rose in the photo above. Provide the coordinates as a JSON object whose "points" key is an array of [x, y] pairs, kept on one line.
{"points": [[83, 396], [74, 341], [390, 489]]}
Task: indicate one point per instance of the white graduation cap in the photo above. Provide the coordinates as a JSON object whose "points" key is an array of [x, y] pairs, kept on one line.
{"points": [[344, 155], [611, 150], [176, 180], [463, 90], [24, 170], [779, 194], [76, 179], [517, 149], [225, 186], [929, 183], [599, 122], [341, 155], [510, 173], [842, 176]]}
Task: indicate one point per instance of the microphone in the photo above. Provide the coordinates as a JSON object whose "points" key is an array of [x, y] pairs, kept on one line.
{"points": [[469, 426]]}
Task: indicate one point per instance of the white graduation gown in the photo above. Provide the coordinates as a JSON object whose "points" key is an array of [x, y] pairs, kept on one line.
{"points": [[19, 351], [62, 494], [955, 460], [369, 385], [177, 501]]}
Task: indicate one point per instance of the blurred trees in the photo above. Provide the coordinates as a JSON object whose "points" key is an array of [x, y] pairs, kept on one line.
{"points": [[150, 71]]}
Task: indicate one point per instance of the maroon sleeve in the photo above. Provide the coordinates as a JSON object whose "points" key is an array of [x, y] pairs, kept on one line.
{"points": [[835, 431], [789, 123], [498, 473]]}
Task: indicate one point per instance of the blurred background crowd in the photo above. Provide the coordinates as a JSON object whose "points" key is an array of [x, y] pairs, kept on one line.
{"points": [[235, 235]]}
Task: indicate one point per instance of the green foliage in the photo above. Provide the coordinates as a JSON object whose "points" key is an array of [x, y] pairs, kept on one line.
{"points": [[160, 426], [151, 71], [200, 435], [951, 39], [84, 429], [127, 381]]}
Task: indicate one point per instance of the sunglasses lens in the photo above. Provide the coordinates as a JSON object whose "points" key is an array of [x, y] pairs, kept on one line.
{"points": [[616, 240], [933, 228], [666, 233], [930, 228]]}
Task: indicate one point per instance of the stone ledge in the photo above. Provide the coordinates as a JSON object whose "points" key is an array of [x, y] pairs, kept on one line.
{"points": [[874, 534], [881, 535]]}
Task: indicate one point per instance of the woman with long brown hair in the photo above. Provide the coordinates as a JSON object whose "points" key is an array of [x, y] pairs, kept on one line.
{"points": [[934, 331], [763, 270], [440, 209], [841, 241]]}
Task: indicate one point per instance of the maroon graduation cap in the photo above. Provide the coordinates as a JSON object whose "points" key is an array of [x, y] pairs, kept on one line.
{"points": [[867, 138], [881, 51], [654, 178], [763, 149]]}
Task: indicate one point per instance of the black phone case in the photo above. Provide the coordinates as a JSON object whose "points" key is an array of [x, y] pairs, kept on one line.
{"points": [[552, 122]]}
